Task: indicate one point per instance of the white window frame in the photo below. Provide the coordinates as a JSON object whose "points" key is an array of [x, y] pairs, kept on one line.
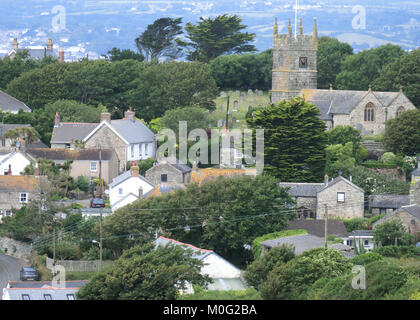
{"points": [[146, 149], [132, 151], [96, 166], [21, 196], [343, 194], [140, 150]]}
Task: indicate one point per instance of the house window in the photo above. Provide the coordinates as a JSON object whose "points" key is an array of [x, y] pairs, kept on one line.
{"points": [[91, 180], [140, 149], [93, 166], [370, 112], [47, 297], [400, 110], [382, 211], [120, 191], [23, 197], [3, 142], [349, 243], [164, 178], [70, 296], [67, 146], [25, 297], [146, 149], [341, 196], [366, 243], [132, 151]]}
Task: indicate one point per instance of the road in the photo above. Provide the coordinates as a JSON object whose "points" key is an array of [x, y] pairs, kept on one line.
{"points": [[9, 270]]}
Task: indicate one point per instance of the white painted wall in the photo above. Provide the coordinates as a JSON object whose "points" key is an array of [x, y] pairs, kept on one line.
{"points": [[131, 185], [140, 151], [217, 267], [18, 162]]}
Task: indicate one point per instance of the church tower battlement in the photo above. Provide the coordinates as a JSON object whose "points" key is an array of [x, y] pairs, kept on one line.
{"points": [[294, 62]]}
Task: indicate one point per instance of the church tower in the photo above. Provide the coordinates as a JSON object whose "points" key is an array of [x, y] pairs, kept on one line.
{"points": [[294, 62]]}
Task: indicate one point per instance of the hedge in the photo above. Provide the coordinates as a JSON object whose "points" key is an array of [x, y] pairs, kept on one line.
{"points": [[398, 251], [378, 165], [256, 244]]}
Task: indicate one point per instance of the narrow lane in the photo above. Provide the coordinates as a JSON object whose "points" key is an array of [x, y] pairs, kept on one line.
{"points": [[9, 270]]}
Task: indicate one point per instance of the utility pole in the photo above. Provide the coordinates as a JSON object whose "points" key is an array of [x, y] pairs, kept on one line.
{"points": [[101, 209], [227, 114], [326, 225], [54, 224]]}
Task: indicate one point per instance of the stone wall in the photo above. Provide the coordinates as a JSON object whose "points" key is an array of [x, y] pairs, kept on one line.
{"points": [[79, 265], [352, 207], [415, 194], [307, 202], [107, 139], [174, 176], [17, 249]]}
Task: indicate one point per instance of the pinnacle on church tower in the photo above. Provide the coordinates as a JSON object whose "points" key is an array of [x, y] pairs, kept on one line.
{"points": [[300, 27], [290, 28]]}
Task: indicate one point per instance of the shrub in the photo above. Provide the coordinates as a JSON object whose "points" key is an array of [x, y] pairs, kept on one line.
{"points": [[248, 294], [397, 251], [83, 183], [256, 273], [293, 279], [366, 258], [256, 244]]}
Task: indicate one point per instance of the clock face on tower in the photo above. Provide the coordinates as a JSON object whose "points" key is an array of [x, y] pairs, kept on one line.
{"points": [[303, 62]]}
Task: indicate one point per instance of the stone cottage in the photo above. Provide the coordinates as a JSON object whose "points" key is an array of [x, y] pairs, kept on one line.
{"points": [[341, 197], [172, 173]]}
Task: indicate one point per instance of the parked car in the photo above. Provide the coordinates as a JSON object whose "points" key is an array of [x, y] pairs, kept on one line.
{"points": [[28, 274], [97, 203]]}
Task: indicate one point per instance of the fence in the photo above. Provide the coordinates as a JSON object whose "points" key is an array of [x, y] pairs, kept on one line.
{"points": [[79, 265]]}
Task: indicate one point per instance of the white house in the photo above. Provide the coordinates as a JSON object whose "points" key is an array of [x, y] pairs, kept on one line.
{"points": [[360, 239], [14, 163], [127, 188], [225, 275]]}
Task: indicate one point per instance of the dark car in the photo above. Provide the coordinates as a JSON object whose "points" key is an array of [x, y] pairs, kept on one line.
{"points": [[29, 274], [97, 203]]}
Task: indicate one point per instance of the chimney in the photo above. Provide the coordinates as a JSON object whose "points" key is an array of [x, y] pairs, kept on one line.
{"points": [[57, 120], [105, 116], [49, 45], [135, 171], [61, 56], [326, 179], [130, 114], [10, 170], [72, 144], [331, 87], [140, 192], [15, 44]]}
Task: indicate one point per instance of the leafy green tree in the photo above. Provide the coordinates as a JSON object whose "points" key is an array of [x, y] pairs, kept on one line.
{"points": [[294, 139], [359, 70], [340, 159], [145, 273], [195, 117], [243, 71], [344, 134], [170, 85], [224, 215], [27, 134], [292, 280], [402, 134], [331, 54], [390, 233], [116, 54], [256, 273], [211, 38], [73, 111], [143, 165], [405, 72], [159, 40]]}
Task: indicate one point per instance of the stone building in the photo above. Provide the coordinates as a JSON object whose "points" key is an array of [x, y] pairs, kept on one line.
{"points": [[38, 53], [294, 62], [342, 198], [388, 203], [295, 74], [169, 173]]}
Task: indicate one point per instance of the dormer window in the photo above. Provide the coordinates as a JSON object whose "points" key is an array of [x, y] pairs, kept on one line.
{"points": [[370, 112]]}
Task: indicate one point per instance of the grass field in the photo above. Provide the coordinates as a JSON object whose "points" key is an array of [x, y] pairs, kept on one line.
{"points": [[244, 101]]}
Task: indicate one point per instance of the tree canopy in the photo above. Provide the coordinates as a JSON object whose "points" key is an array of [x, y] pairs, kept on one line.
{"points": [[211, 38], [116, 54], [159, 40], [146, 273], [294, 139]]}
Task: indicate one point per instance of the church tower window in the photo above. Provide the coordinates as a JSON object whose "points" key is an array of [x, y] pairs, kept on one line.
{"points": [[370, 112]]}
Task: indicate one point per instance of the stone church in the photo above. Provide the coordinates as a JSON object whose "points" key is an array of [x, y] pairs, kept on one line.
{"points": [[295, 74]]}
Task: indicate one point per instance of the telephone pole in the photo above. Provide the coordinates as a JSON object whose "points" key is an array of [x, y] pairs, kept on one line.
{"points": [[54, 224], [326, 225], [101, 209], [227, 114]]}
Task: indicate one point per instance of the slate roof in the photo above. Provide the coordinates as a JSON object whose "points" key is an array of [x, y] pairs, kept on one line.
{"points": [[413, 209], [37, 289], [8, 103], [124, 176], [361, 233], [343, 101], [7, 127], [133, 131], [302, 189], [40, 53], [66, 154], [199, 253], [66, 131], [301, 242], [44, 284], [317, 227], [181, 167], [338, 179], [389, 201]]}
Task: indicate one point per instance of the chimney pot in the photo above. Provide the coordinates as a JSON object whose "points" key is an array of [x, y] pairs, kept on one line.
{"points": [[57, 120], [130, 114], [135, 171], [326, 179], [10, 170]]}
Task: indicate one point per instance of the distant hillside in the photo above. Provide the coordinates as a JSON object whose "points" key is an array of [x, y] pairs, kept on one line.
{"points": [[93, 27]]}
